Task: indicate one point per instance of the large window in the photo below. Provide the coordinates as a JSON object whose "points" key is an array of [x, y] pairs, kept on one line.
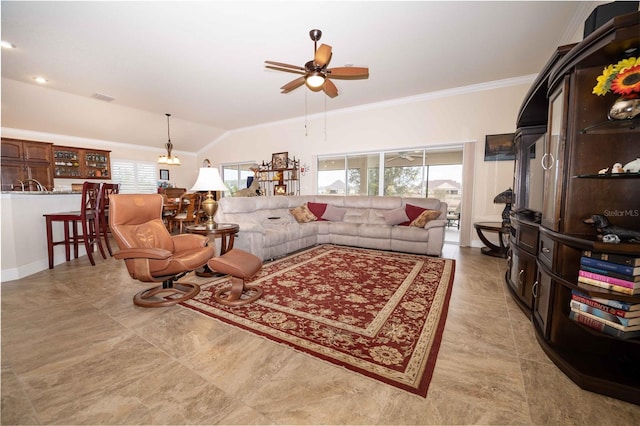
{"points": [[235, 175], [134, 177], [428, 172]]}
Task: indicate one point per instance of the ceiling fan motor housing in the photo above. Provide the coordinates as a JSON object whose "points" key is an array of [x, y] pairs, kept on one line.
{"points": [[315, 35]]}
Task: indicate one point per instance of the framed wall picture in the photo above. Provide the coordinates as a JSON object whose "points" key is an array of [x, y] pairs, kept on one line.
{"points": [[279, 160], [164, 174], [280, 190], [500, 147]]}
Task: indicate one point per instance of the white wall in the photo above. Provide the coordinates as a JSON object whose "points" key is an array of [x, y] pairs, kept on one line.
{"points": [[454, 117]]}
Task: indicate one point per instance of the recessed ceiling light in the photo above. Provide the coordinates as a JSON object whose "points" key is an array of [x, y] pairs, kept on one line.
{"points": [[40, 80], [7, 45]]}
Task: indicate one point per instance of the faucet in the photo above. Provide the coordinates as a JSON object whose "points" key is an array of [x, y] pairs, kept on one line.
{"points": [[40, 186], [21, 184]]}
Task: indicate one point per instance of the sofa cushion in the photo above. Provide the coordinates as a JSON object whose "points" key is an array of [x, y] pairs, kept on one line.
{"points": [[302, 214], [334, 214], [317, 209], [425, 217], [396, 216]]}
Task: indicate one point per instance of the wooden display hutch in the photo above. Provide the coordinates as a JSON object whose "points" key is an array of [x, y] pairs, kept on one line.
{"points": [[279, 181], [25, 160], [528, 183], [579, 142], [81, 163]]}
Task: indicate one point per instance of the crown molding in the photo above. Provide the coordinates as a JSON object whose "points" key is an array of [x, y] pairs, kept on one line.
{"points": [[463, 90]]}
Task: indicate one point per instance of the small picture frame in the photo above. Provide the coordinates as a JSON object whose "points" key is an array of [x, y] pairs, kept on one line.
{"points": [[164, 174], [500, 147], [279, 160], [280, 190]]}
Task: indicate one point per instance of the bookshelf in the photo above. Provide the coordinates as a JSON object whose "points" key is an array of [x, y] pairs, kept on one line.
{"points": [[282, 179], [578, 143]]}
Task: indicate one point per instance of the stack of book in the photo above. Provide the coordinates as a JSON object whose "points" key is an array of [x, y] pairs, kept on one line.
{"points": [[615, 272], [613, 317]]}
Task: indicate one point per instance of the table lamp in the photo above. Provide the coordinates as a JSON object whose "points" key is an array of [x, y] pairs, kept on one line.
{"points": [[209, 180], [505, 197]]}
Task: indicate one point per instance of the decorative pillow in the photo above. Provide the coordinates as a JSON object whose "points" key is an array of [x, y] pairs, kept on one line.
{"points": [[412, 213], [396, 216], [317, 209], [425, 217], [302, 214], [334, 214]]}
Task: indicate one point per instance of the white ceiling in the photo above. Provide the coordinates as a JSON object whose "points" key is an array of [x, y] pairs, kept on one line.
{"points": [[204, 61]]}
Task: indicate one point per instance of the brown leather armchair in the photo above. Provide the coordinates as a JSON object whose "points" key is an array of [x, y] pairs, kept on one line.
{"points": [[151, 253]]}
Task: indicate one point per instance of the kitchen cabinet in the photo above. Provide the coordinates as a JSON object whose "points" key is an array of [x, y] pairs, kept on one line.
{"points": [[26, 162], [81, 163]]}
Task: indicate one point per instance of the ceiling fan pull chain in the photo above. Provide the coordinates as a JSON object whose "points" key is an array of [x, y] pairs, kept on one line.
{"points": [[305, 114], [325, 121]]}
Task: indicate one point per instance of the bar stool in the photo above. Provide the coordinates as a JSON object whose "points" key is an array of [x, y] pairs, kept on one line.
{"points": [[88, 216], [106, 190]]}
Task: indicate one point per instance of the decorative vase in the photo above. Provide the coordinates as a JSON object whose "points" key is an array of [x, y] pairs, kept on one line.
{"points": [[625, 108]]}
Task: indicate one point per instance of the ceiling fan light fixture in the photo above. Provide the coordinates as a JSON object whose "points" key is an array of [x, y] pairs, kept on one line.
{"points": [[315, 80]]}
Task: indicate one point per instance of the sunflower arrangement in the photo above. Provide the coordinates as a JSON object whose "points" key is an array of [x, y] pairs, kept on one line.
{"points": [[622, 78]]}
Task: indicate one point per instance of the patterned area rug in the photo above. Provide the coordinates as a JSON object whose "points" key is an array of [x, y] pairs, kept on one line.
{"points": [[378, 313]]}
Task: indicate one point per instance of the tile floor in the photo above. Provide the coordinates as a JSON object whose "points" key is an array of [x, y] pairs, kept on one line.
{"points": [[75, 350]]}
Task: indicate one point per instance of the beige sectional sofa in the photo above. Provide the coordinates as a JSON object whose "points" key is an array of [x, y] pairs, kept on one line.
{"points": [[269, 230]]}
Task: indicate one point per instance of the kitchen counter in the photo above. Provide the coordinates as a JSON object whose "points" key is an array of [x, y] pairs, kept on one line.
{"points": [[54, 192], [23, 230]]}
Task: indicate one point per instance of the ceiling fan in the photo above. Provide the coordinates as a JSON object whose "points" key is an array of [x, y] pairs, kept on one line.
{"points": [[402, 156], [315, 73]]}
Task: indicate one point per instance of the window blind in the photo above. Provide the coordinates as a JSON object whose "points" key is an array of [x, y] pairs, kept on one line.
{"points": [[134, 177]]}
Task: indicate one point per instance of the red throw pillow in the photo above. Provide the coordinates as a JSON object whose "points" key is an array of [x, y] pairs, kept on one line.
{"points": [[412, 213], [317, 209]]}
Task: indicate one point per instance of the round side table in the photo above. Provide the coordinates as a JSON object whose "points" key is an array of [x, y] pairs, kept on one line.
{"points": [[496, 227], [227, 234]]}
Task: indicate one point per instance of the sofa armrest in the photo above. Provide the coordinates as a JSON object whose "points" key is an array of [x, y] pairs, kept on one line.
{"points": [[436, 223]]}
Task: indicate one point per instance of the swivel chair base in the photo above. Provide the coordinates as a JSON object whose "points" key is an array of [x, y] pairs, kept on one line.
{"points": [[166, 295]]}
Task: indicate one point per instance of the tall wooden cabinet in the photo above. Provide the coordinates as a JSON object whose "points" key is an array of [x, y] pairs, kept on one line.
{"points": [[528, 185], [579, 142], [23, 160]]}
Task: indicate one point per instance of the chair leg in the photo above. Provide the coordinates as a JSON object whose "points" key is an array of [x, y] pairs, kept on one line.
{"points": [[76, 240], [67, 241], [94, 228], [105, 234], [50, 241]]}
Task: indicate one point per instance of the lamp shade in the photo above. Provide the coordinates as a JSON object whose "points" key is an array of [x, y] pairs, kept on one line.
{"points": [[315, 80], [505, 197], [209, 180]]}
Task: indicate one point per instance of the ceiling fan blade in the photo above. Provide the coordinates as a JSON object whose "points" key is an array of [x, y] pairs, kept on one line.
{"points": [[293, 84], [283, 65], [323, 55], [349, 72], [284, 69], [330, 89]]}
